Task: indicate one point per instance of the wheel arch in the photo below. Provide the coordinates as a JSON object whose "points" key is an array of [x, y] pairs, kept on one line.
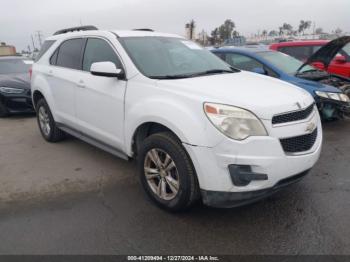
{"points": [[145, 130]]}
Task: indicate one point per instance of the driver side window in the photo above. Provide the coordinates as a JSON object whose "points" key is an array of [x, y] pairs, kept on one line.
{"points": [[247, 63], [243, 62], [98, 50]]}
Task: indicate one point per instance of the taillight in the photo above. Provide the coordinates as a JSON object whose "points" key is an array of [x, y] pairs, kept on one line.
{"points": [[30, 73]]}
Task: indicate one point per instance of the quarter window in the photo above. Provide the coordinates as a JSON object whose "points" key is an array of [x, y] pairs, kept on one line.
{"points": [[69, 54], [98, 50], [46, 46]]}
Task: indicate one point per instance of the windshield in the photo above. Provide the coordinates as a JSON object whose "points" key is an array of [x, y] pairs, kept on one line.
{"points": [[284, 62], [14, 66], [165, 57], [346, 49]]}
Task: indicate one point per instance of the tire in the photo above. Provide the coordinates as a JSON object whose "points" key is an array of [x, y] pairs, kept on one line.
{"points": [[3, 110], [47, 124], [172, 184]]}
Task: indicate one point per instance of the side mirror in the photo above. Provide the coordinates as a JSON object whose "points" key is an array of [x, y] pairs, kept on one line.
{"points": [[259, 70], [340, 59], [107, 69]]}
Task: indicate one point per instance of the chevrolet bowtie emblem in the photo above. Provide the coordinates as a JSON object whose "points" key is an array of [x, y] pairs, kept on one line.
{"points": [[310, 127]]}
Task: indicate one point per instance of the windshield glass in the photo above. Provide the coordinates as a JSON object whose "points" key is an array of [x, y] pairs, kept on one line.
{"points": [[161, 57], [346, 49], [14, 66], [284, 62]]}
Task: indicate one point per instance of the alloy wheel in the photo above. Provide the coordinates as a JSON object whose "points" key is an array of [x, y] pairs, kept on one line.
{"points": [[161, 174], [44, 121]]}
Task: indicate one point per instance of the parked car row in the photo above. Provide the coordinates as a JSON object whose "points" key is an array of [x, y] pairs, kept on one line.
{"points": [[331, 92], [303, 50]]}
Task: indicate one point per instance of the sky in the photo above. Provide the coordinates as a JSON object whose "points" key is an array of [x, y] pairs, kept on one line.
{"points": [[19, 19]]}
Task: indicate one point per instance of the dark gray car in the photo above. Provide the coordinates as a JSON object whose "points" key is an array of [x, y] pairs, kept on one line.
{"points": [[15, 96]]}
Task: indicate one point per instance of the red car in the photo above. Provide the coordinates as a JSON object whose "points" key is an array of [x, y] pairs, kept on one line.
{"points": [[302, 50]]}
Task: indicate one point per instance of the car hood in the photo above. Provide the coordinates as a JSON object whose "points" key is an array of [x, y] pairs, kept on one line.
{"points": [[15, 80], [312, 86], [327, 53], [264, 96]]}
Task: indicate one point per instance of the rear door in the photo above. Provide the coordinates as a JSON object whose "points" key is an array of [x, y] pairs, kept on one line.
{"points": [[65, 74], [100, 100]]}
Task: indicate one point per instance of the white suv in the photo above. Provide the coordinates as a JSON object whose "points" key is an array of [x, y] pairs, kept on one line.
{"points": [[198, 128]]}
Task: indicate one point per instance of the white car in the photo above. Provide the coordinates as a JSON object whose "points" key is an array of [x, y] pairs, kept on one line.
{"points": [[198, 128]]}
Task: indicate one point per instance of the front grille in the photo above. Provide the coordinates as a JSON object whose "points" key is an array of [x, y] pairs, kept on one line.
{"points": [[293, 116], [299, 143]]}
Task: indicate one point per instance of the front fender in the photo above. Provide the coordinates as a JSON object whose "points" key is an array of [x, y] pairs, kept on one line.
{"points": [[187, 120]]}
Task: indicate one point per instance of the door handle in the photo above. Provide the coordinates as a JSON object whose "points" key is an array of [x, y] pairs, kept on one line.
{"points": [[81, 84]]}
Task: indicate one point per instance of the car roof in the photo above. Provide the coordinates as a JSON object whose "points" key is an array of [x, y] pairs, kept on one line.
{"points": [[301, 43], [119, 33], [244, 49]]}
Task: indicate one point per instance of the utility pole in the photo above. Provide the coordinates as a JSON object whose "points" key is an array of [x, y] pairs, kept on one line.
{"points": [[33, 42], [39, 35]]}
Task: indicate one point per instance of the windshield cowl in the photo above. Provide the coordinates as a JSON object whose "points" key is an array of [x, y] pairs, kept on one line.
{"points": [[205, 73]]}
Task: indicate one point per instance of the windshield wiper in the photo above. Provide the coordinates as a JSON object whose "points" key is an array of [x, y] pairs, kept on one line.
{"points": [[213, 71], [170, 77], [310, 71], [208, 72]]}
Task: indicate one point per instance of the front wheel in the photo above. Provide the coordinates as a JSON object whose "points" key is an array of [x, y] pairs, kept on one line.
{"points": [[167, 173]]}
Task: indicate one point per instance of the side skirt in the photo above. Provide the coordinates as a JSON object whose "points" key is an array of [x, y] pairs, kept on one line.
{"points": [[90, 140]]}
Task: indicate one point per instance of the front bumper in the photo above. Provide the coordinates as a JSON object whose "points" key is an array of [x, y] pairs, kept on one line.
{"points": [[263, 156], [332, 108], [17, 103], [236, 199]]}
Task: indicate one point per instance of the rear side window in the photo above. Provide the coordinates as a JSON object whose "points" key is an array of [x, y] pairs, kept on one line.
{"points": [[98, 50], [46, 46], [70, 54]]}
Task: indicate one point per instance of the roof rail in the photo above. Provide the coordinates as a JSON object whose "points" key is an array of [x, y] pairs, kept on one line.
{"points": [[144, 29], [78, 28]]}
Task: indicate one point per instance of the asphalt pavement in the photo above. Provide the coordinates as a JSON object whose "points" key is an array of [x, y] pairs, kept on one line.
{"points": [[71, 198]]}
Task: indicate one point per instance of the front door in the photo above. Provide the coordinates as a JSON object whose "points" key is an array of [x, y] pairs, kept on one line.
{"points": [[100, 100]]}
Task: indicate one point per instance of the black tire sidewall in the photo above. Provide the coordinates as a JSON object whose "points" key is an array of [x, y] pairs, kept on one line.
{"points": [[184, 167], [42, 103]]}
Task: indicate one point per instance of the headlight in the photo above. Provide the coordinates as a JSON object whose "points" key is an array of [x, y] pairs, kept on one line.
{"points": [[234, 122], [321, 94], [334, 96], [10, 90], [344, 98]]}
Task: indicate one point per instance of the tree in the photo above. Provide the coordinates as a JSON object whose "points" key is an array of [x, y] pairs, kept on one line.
{"points": [[273, 33], [226, 29], [304, 25], [319, 31], [215, 37], [338, 31], [286, 29], [264, 33]]}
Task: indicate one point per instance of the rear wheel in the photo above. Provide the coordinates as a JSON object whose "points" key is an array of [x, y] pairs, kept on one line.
{"points": [[167, 173], [47, 124], [3, 110]]}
